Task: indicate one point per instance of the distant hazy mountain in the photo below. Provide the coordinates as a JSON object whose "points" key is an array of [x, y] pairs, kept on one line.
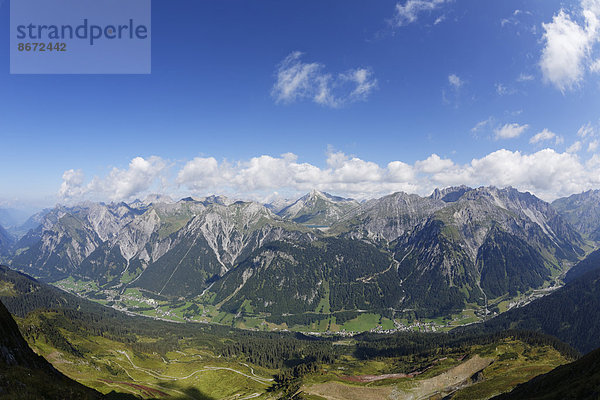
{"points": [[279, 204], [18, 231], [6, 242], [318, 208], [433, 253], [10, 217], [582, 211]]}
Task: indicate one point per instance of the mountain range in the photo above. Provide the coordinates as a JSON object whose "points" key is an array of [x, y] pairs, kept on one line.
{"points": [[321, 253]]}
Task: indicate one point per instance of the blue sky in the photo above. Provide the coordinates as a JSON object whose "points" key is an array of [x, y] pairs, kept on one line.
{"points": [[259, 99]]}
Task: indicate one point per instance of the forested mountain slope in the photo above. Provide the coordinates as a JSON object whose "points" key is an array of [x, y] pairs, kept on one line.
{"points": [[434, 255], [571, 314], [577, 380], [25, 375]]}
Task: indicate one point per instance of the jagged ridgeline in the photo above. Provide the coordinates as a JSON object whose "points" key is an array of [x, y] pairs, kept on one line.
{"points": [[320, 254]]}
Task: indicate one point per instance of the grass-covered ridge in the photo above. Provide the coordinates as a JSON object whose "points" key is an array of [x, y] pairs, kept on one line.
{"points": [[108, 350]]}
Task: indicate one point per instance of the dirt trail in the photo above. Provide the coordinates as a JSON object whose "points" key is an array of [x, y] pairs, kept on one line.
{"points": [[422, 389], [154, 374]]}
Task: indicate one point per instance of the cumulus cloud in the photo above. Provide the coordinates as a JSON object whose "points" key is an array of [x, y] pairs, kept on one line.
{"points": [[434, 164], [297, 80], [120, 184], [546, 173], [72, 184], [510, 131], [545, 135], [409, 12], [569, 45]]}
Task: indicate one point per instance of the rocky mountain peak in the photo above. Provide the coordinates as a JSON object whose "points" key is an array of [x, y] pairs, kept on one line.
{"points": [[450, 194]]}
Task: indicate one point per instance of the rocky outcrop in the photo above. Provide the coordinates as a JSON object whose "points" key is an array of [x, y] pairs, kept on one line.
{"points": [[582, 211], [319, 209]]}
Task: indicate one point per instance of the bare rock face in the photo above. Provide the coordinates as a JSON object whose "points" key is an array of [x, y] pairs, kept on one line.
{"points": [[461, 244], [582, 211], [389, 217], [319, 209], [142, 234]]}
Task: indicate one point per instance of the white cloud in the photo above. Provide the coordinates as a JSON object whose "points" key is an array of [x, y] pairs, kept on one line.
{"points": [[297, 80], [514, 18], [409, 12], [525, 78], [544, 136], [455, 81], [453, 95], [72, 184], [120, 184], [365, 83], [595, 66], [482, 124], [586, 130], [574, 148], [569, 45], [503, 90], [434, 164], [510, 131], [202, 171], [545, 173], [588, 135]]}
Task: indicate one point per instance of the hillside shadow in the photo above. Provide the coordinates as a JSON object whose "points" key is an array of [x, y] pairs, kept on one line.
{"points": [[194, 394], [120, 396], [189, 393]]}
